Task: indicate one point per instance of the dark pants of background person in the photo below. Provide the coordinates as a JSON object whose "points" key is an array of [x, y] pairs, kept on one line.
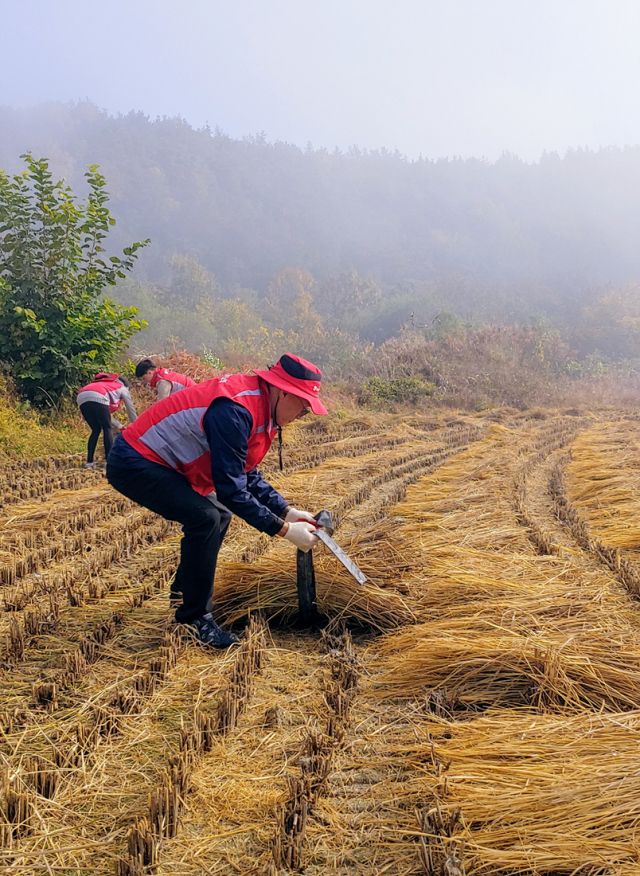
{"points": [[99, 419], [204, 524]]}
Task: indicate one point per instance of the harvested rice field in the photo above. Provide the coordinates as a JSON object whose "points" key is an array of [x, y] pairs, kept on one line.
{"points": [[474, 708]]}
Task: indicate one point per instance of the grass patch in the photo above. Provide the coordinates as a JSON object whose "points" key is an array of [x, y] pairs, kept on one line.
{"points": [[26, 434]]}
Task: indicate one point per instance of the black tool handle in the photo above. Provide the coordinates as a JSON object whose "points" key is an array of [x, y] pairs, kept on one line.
{"points": [[306, 588]]}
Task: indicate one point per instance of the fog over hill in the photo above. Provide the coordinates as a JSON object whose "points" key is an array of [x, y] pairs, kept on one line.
{"points": [[247, 208], [371, 238]]}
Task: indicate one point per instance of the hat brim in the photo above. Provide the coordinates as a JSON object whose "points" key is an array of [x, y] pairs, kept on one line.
{"points": [[275, 380]]}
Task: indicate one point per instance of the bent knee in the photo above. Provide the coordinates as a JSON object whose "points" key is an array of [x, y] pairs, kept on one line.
{"points": [[205, 516]]}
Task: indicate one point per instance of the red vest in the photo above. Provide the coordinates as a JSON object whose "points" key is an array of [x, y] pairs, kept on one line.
{"points": [[178, 381], [171, 433], [110, 386]]}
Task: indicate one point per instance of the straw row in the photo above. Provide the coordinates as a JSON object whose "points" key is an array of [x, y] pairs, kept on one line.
{"points": [[126, 532], [402, 470], [625, 571], [545, 794], [18, 489], [297, 459], [603, 481], [145, 838], [554, 436], [320, 431], [350, 448], [316, 759], [539, 536], [40, 531], [411, 465], [485, 668], [99, 561], [329, 430]]}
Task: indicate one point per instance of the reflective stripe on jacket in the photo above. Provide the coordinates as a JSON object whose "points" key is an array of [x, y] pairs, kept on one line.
{"points": [[178, 381], [171, 433], [109, 387]]}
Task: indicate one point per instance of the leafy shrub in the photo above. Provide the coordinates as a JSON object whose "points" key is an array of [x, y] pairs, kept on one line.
{"points": [[56, 326], [402, 390], [211, 359]]}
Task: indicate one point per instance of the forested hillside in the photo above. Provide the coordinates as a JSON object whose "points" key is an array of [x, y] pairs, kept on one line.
{"points": [[248, 208], [257, 244]]}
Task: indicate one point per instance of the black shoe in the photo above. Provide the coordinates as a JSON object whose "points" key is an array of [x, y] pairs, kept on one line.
{"points": [[209, 633]]}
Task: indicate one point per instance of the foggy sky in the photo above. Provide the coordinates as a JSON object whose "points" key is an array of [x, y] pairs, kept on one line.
{"points": [[430, 77]]}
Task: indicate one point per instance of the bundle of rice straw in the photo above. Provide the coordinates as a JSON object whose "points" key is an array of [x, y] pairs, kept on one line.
{"points": [[603, 483], [499, 668], [537, 794], [269, 585]]}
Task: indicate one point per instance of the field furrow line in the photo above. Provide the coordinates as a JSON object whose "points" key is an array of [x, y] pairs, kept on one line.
{"points": [[539, 535], [160, 823], [44, 485]]}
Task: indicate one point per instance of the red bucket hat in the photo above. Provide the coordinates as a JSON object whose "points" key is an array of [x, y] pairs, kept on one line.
{"points": [[297, 376]]}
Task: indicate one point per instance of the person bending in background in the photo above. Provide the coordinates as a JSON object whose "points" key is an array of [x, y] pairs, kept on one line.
{"points": [[165, 382], [193, 458], [97, 402]]}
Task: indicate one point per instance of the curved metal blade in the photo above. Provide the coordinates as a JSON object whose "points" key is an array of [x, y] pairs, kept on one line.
{"points": [[337, 551]]}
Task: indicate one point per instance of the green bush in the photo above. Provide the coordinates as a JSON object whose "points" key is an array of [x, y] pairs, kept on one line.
{"points": [[56, 326], [209, 358], [402, 390]]}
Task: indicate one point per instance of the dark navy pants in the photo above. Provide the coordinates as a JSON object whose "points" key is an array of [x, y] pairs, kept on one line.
{"points": [[204, 524], [98, 418]]}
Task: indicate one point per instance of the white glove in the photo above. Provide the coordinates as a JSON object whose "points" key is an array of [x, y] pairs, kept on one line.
{"points": [[294, 515], [302, 535]]}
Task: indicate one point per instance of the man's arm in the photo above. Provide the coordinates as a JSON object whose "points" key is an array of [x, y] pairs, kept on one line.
{"points": [[265, 493], [163, 389], [227, 426], [128, 405]]}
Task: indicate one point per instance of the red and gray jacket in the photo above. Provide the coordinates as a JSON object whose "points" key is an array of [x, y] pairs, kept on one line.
{"points": [[171, 433], [105, 389], [177, 381]]}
